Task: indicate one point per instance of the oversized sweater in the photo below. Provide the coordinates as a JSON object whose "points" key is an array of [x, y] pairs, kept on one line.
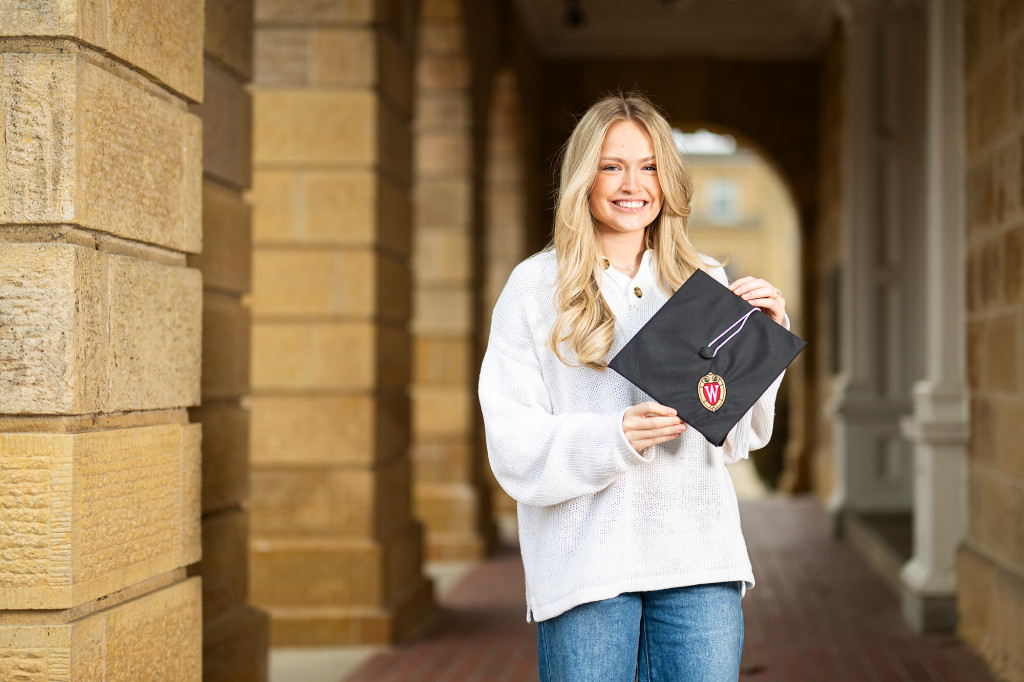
{"points": [[597, 518]]}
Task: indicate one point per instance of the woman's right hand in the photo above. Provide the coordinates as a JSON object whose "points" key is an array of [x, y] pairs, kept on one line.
{"points": [[650, 423]]}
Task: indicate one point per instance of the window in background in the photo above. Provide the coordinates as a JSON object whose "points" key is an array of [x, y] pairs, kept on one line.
{"points": [[724, 201]]}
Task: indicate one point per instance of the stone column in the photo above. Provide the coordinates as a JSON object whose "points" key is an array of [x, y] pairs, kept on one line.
{"points": [[449, 488], [234, 634], [335, 551], [100, 316], [938, 426], [505, 232], [879, 310]]}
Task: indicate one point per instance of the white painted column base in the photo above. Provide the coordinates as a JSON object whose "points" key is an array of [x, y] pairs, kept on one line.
{"points": [[872, 458], [939, 432]]}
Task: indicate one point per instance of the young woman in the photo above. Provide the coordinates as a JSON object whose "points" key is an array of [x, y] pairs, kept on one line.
{"points": [[628, 522]]}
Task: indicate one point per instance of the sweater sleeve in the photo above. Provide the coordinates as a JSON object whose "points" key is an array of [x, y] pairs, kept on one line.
{"points": [[754, 430], [538, 457]]}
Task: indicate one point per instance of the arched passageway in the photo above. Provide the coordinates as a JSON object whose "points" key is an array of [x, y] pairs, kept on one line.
{"points": [[780, 136], [744, 215]]}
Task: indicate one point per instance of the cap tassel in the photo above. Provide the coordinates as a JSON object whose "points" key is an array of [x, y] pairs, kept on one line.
{"points": [[707, 353]]}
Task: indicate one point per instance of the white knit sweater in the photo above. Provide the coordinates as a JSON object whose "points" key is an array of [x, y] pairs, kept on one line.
{"points": [[596, 518]]}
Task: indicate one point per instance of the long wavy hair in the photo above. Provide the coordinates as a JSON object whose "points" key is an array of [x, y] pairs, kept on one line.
{"points": [[585, 325]]}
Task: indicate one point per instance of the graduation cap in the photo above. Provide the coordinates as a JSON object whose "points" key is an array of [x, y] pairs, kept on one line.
{"points": [[708, 354]]}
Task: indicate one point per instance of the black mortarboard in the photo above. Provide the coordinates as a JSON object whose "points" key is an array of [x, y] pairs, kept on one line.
{"points": [[708, 354]]}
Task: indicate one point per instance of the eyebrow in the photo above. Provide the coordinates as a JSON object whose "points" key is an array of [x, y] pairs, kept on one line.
{"points": [[616, 158]]}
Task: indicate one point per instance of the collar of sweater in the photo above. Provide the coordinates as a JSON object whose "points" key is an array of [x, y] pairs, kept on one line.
{"points": [[622, 291]]}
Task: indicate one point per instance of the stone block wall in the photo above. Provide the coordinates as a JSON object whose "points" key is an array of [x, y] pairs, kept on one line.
{"points": [[234, 633], [335, 552], [100, 340], [450, 496], [991, 562]]}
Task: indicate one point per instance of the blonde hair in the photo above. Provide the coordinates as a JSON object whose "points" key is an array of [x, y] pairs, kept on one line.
{"points": [[585, 325]]}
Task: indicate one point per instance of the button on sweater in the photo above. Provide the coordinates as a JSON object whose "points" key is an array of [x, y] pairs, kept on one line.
{"points": [[597, 518]]}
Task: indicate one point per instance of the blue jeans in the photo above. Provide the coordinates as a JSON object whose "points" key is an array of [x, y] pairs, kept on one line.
{"points": [[675, 635]]}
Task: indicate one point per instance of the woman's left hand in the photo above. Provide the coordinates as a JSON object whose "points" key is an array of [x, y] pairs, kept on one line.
{"points": [[763, 295]]}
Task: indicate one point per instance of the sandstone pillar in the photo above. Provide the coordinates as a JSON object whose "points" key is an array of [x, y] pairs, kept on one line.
{"points": [[505, 232], [234, 634], [335, 553], [100, 316], [990, 567], [450, 493]]}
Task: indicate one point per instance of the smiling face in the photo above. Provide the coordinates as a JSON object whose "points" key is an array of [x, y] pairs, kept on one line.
{"points": [[626, 196]]}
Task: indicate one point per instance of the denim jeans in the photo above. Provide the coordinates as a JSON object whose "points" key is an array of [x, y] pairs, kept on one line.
{"points": [[675, 635]]}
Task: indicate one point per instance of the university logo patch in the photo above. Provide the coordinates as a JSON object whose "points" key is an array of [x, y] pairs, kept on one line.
{"points": [[711, 389]]}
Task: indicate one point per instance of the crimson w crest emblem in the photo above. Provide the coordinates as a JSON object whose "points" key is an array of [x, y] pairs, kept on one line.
{"points": [[711, 389]]}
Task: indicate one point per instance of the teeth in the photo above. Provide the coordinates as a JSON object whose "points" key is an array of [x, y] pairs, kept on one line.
{"points": [[629, 204]]}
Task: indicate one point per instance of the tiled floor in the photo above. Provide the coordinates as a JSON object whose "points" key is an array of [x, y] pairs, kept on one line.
{"points": [[816, 614], [483, 634], [330, 664]]}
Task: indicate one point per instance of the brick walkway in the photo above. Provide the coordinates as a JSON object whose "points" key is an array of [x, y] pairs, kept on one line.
{"points": [[817, 613]]}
